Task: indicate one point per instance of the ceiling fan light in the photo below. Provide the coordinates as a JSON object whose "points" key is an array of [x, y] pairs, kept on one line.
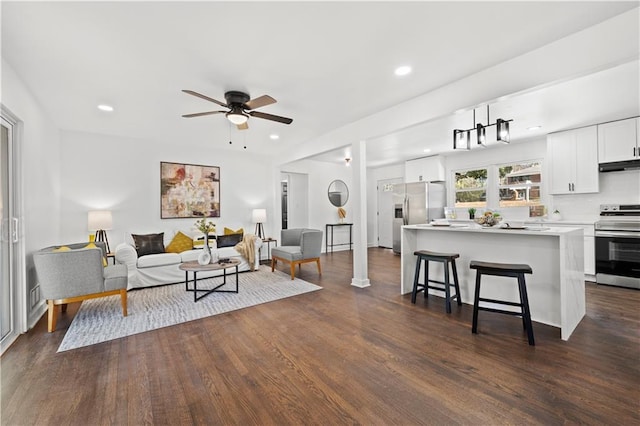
{"points": [[502, 127], [482, 135], [237, 117]]}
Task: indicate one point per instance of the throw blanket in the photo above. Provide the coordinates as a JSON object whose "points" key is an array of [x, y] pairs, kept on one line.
{"points": [[247, 249]]}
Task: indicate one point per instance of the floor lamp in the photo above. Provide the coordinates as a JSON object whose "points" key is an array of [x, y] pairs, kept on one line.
{"points": [[259, 217], [101, 221]]}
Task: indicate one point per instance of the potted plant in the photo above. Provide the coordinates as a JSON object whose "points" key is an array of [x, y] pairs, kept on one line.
{"points": [[472, 212], [205, 227]]}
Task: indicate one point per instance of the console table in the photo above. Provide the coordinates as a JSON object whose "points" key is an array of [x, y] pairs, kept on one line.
{"points": [[333, 225]]}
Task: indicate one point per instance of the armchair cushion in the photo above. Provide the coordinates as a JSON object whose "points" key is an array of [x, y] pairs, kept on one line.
{"points": [[299, 245], [78, 274]]}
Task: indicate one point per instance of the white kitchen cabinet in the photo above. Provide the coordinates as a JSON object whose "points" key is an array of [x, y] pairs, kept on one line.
{"points": [[618, 141], [573, 161], [427, 169]]}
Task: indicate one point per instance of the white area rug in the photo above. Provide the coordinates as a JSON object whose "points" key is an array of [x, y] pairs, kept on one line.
{"points": [[100, 320]]}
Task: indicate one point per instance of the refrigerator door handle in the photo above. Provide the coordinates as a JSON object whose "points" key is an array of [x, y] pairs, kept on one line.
{"points": [[405, 211]]}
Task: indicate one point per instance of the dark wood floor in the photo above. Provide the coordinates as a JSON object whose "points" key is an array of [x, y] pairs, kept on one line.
{"points": [[342, 355]]}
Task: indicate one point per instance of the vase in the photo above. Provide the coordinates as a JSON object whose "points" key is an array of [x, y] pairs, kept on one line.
{"points": [[205, 257]]}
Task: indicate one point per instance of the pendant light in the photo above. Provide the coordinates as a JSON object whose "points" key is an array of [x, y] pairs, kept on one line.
{"points": [[462, 138]]}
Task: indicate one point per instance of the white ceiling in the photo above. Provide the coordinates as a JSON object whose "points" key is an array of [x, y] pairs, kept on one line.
{"points": [[328, 64]]}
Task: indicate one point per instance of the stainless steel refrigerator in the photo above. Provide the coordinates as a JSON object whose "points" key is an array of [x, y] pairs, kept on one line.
{"points": [[419, 202]]}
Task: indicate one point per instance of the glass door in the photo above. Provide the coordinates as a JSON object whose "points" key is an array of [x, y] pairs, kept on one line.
{"points": [[8, 232]]}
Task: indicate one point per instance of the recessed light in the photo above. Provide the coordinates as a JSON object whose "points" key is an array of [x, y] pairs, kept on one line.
{"points": [[274, 137], [107, 108], [534, 127], [426, 150], [403, 70]]}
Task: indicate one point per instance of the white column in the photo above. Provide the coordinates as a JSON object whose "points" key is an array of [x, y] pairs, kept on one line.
{"points": [[359, 162]]}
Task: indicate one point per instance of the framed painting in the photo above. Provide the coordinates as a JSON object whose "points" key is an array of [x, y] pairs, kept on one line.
{"points": [[189, 190]]}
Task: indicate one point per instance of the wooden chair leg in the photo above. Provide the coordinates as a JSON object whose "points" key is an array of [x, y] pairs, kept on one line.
{"points": [[319, 268], [64, 308], [273, 263], [52, 317], [123, 301], [293, 270]]}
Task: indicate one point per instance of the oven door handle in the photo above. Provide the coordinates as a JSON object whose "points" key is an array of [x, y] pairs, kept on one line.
{"points": [[617, 234]]}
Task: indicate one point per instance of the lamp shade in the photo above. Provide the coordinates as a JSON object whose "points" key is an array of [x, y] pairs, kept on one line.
{"points": [[100, 220], [259, 215], [237, 117]]}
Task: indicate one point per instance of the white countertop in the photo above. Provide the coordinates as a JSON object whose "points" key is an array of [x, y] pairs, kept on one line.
{"points": [[555, 254], [528, 230]]}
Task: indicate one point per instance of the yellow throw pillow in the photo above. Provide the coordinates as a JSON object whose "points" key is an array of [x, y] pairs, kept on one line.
{"points": [[62, 248], [229, 231], [92, 245], [179, 243]]}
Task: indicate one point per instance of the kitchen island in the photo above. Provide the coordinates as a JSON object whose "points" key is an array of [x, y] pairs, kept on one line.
{"points": [[556, 255]]}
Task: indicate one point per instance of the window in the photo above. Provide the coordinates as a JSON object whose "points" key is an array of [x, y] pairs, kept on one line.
{"points": [[519, 184], [471, 188]]}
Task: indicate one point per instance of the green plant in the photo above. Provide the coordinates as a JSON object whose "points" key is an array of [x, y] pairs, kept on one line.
{"points": [[205, 227], [472, 210]]}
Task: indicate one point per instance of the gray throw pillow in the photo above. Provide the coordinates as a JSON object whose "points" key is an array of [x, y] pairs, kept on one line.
{"points": [[228, 240], [149, 243]]}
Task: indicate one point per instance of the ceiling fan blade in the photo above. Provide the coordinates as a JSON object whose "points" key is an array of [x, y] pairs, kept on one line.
{"points": [[200, 114], [261, 101], [271, 117], [206, 98], [243, 126]]}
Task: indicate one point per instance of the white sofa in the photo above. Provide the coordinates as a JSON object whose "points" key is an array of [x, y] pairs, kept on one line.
{"points": [[159, 269]]}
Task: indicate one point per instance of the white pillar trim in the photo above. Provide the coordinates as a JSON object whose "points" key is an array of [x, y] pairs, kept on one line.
{"points": [[360, 267]]}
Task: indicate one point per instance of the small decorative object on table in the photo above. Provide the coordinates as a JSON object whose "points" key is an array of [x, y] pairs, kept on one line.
{"points": [[342, 213], [489, 219], [556, 215], [472, 212], [205, 227]]}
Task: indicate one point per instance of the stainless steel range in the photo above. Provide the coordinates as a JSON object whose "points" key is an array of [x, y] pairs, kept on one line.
{"points": [[618, 245]]}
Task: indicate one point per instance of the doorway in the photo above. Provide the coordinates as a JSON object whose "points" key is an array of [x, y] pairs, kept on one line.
{"points": [[385, 211], [9, 233]]}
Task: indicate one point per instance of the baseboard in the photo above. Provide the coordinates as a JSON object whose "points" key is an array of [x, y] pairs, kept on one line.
{"points": [[36, 313], [360, 283]]}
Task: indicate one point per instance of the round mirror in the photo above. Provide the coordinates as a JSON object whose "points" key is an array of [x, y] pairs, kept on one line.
{"points": [[338, 193]]}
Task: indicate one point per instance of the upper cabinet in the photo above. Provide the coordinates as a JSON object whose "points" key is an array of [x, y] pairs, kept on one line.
{"points": [[618, 141], [427, 169], [573, 161]]}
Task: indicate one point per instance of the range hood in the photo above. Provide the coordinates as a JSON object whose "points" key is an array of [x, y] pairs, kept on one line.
{"points": [[619, 166]]}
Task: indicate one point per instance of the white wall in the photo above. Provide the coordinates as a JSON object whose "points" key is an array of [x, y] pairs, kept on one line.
{"points": [[123, 175], [373, 176], [321, 211], [39, 144]]}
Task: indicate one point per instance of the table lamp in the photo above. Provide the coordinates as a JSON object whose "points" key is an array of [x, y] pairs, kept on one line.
{"points": [[259, 217], [100, 221]]}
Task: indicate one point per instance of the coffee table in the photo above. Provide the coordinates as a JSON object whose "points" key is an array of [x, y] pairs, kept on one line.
{"points": [[195, 267]]}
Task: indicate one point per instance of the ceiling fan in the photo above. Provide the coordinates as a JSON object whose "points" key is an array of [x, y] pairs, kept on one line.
{"points": [[240, 108]]}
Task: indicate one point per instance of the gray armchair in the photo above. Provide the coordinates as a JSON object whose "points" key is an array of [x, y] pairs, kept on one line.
{"points": [[78, 273], [298, 246]]}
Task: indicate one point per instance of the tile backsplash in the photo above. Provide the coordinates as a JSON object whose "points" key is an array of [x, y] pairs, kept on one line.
{"points": [[615, 188]]}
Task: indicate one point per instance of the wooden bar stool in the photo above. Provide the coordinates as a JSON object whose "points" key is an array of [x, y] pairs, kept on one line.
{"points": [[503, 270], [446, 259]]}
